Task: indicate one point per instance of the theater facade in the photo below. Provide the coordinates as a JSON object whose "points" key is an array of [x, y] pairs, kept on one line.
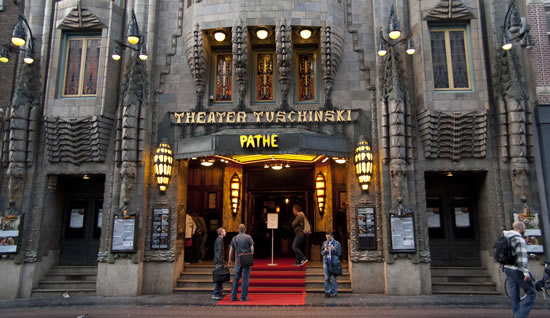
{"points": [[416, 149]]}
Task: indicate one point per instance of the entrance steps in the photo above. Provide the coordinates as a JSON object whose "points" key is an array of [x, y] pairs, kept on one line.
{"points": [[75, 280], [462, 280], [198, 278]]}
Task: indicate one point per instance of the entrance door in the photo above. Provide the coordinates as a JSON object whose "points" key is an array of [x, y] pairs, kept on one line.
{"points": [[452, 220]]}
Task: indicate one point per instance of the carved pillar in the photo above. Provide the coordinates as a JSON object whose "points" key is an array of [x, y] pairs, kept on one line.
{"points": [[332, 44], [284, 59], [21, 124], [196, 58], [240, 60]]}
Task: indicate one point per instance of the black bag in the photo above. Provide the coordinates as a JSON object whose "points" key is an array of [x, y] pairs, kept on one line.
{"points": [[502, 251], [246, 259], [336, 269], [221, 274]]}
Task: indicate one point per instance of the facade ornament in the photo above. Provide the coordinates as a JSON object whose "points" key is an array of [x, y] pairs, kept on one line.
{"points": [[21, 128], [284, 59], [240, 60], [450, 10], [332, 45], [452, 135], [196, 58], [80, 18]]}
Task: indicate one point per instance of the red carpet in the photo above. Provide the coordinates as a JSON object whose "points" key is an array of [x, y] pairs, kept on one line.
{"points": [[279, 285]]}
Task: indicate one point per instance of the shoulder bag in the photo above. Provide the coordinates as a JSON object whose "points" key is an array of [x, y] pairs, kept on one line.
{"points": [[246, 259], [221, 274]]}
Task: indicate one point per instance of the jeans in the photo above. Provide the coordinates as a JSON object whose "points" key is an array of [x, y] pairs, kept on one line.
{"points": [[245, 271], [297, 245], [218, 287], [330, 287], [515, 281]]}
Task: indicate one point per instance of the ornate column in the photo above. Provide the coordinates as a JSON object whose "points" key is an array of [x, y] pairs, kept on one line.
{"points": [[196, 58], [283, 46], [240, 60]]}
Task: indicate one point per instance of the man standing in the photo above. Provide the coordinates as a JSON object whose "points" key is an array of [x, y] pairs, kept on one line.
{"points": [[331, 251], [518, 274], [241, 243], [299, 239], [219, 259]]}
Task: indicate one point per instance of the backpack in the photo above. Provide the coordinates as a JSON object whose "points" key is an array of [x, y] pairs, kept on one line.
{"points": [[307, 226], [502, 251]]}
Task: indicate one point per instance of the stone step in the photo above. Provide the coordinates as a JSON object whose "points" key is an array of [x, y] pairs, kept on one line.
{"points": [[69, 284], [90, 277], [465, 292], [38, 292], [466, 287], [461, 279], [458, 271], [73, 270]]}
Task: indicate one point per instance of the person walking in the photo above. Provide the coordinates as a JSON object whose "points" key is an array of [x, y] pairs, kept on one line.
{"points": [[219, 260], [518, 274], [241, 243], [331, 252], [300, 237]]}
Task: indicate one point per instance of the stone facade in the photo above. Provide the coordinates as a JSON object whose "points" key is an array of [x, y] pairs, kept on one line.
{"points": [[418, 133]]}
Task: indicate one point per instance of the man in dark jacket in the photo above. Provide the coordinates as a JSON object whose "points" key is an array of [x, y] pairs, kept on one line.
{"points": [[331, 251], [219, 259], [299, 239]]}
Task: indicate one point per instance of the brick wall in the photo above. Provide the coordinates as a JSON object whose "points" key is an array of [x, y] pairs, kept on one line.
{"points": [[8, 18], [541, 51]]}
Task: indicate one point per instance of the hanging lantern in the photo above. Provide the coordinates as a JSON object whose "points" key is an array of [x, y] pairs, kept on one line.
{"points": [[363, 164], [163, 161], [235, 194], [320, 191]]}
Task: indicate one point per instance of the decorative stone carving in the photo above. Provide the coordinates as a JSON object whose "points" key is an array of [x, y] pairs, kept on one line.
{"points": [[332, 45], [284, 59], [449, 10], [453, 135], [172, 50], [78, 140], [21, 127], [196, 59], [80, 18], [240, 60], [357, 46]]}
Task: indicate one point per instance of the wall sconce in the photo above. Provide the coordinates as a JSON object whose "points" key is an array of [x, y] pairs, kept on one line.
{"points": [[163, 160], [514, 23], [320, 191], [219, 36], [363, 164], [134, 38], [262, 34], [305, 34], [235, 186]]}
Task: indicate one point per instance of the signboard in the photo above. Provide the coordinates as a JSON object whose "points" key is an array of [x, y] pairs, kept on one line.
{"points": [[124, 230], [532, 231], [77, 218], [9, 234], [272, 221], [160, 234], [434, 220], [462, 217], [402, 233], [366, 224]]}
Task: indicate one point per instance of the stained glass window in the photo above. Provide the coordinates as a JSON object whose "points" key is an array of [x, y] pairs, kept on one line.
{"points": [[223, 78], [81, 66], [450, 59], [305, 88], [264, 77]]}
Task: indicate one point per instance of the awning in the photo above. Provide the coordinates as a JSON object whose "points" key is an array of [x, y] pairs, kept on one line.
{"points": [[289, 141]]}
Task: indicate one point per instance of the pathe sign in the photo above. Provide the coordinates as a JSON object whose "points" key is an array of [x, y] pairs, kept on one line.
{"points": [[259, 141]]}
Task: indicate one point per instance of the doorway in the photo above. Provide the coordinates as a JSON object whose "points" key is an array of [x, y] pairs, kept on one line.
{"points": [[453, 222], [82, 219]]}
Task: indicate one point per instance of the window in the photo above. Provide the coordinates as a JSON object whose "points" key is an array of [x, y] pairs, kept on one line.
{"points": [[451, 66], [547, 8], [306, 77], [263, 77], [223, 77], [1, 5], [81, 66]]}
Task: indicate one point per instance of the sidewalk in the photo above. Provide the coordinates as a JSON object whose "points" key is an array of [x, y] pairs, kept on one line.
{"points": [[312, 300]]}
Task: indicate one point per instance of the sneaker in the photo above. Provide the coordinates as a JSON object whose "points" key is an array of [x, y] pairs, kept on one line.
{"points": [[233, 299], [327, 295], [217, 297], [304, 262], [246, 299], [297, 264]]}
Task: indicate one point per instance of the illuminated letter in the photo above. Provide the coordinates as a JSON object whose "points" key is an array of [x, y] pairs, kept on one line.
{"points": [[290, 115], [281, 117], [310, 115], [220, 115], [200, 117], [250, 141], [258, 140], [340, 115], [266, 141], [190, 115], [301, 116], [179, 116], [243, 140], [349, 114], [318, 115], [241, 117], [258, 116], [329, 115], [230, 117], [211, 118], [269, 116], [274, 141]]}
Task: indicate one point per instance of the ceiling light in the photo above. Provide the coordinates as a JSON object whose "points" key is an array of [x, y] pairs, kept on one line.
{"points": [[324, 160], [262, 34], [266, 166], [219, 36], [449, 174], [277, 166], [86, 177], [339, 160], [305, 34], [207, 162]]}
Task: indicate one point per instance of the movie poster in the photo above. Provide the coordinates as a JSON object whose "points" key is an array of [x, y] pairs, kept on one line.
{"points": [[9, 234]]}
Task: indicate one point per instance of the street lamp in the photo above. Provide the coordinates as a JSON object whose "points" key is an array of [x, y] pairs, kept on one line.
{"points": [[515, 28], [134, 38], [18, 39], [394, 37]]}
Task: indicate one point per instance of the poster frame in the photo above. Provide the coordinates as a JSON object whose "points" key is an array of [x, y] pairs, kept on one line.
{"points": [[400, 250], [153, 227], [366, 243], [121, 250]]}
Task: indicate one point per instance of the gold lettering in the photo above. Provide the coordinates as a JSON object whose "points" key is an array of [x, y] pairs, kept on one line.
{"points": [[179, 116], [211, 118], [274, 139], [269, 116], [220, 115], [258, 140], [241, 117], [250, 141], [258, 116], [190, 116], [265, 141], [290, 115], [318, 115], [301, 116], [340, 115], [243, 140], [310, 115], [200, 117], [281, 117], [349, 114], [230, 117], [329, 115]]}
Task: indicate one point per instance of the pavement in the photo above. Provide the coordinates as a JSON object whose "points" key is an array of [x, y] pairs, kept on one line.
{"points": [[201, 304]]}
